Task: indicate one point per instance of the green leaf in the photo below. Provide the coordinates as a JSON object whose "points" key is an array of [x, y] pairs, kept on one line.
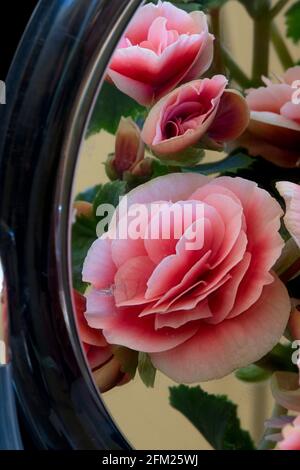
{"points": [[231, 164], [252, 374], [109, 193], [203, 5], [213, 415], [190, 156], [160, 168], [146, 370], [88, 195], [111, 105], [293, 22], [127, 358]]}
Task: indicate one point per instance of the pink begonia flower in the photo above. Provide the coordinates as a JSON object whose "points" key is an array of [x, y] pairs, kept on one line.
{"points": [[106, 368], [194, 110], [274, 128], [290, 436], [291, 194], [162, 47], [200, 313]]}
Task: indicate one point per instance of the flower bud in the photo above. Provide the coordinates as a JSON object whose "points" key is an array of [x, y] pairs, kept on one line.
{"points": [[129, 149]]}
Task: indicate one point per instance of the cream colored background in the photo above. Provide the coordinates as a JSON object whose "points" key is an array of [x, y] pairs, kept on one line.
{"points": [[144, 415]]}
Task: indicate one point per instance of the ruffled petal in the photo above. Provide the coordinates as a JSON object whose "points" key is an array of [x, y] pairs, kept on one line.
{"points": [[231, 119], [269, 99], [217, 350], [99, 268]]}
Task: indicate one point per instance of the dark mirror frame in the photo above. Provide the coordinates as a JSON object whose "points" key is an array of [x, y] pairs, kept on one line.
{"points": [[51, 88]]}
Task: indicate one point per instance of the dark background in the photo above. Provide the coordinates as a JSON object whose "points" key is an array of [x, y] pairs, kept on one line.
{"points": [[15, 15]]}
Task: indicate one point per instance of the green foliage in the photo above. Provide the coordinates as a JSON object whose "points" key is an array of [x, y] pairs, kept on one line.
{"points": [[88, 195], [190, 156], [111, 105], [146, 370], [214, 416], [293, 22], [109, 193], [203, 5], [252, 374], [233, 163]]}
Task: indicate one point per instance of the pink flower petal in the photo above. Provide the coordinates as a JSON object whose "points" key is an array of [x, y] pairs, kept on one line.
{"points": [[174, 187], [131, 281], [141, 92], [206, 52], [217, 350], [98, 268], [292, 74], [222, 301], [177, 19], [275, 129], [264, 242], [167, 227], [181, 317], [139, 333], [232, 117], [88, 335], [97, 357], [101, 309], [269, 99], [291, 111]]}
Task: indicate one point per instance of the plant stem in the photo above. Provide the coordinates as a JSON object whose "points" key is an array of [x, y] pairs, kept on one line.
{"points": [[281, 47], [278, 7], [264, 444], [261, 47], [219, 66], [236, 72]]}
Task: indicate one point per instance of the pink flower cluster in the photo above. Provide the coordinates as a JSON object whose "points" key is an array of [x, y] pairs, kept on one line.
{"points": [[199, 313], [165, 47], [274, 128]]}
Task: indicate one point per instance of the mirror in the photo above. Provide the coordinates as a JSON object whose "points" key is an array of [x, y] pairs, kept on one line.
{"points": [[167, 329]]}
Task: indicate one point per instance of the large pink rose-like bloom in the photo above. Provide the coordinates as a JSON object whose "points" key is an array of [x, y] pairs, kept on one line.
{"points": [[274, 129], [162, 47], [200, 313], [198, 109]]}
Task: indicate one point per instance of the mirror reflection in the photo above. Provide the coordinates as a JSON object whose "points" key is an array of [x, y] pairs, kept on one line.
{"points": [[185, 273]]}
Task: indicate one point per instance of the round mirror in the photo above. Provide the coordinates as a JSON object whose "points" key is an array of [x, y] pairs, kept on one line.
{"points": [[152, 249]]}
